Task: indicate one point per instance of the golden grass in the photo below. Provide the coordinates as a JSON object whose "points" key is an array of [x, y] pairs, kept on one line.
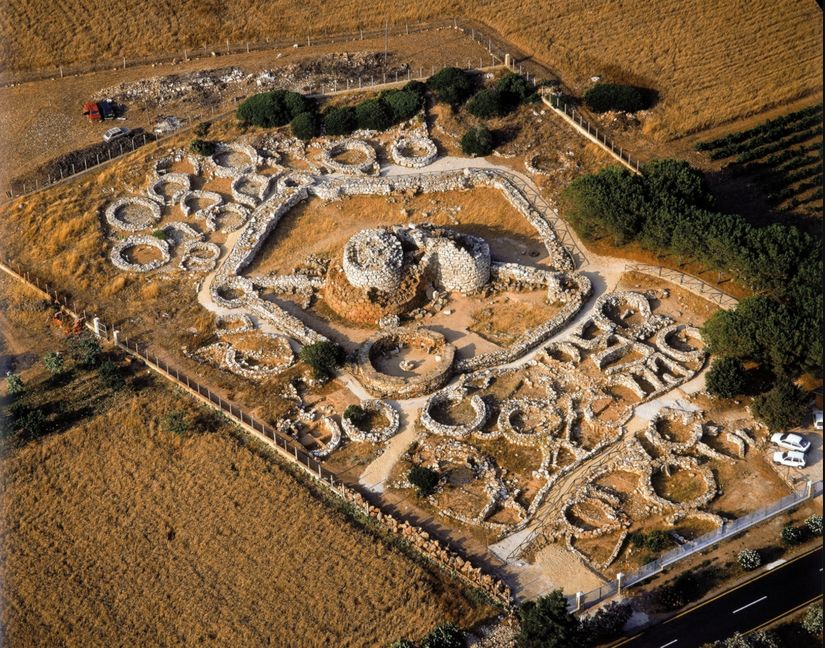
{"points": [[711, 62], [116, 530]]}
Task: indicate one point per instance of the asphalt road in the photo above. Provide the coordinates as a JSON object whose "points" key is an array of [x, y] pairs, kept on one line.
{"points": [[768, 596]]}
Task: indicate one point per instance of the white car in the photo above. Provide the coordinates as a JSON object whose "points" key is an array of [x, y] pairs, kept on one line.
{"points": [[818, 419], [790, 458], [790, 442], [114, 133]]}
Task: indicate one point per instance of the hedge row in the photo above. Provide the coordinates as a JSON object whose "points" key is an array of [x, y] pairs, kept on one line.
{"points": [[767, 137], [741, 136], [773, 147]]}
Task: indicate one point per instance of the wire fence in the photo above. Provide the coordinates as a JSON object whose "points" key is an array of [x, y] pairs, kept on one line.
{"points": [[730, 528], [558, 104], [691, 283]]}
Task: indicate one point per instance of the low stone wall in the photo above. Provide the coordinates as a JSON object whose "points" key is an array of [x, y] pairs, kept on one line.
{"points": [[399, 151], [378, 435], [120, 262], [334, 441], [456, 431], [384, 385], [198, 194], [199, 256], [180, 179], [369, 166], [114, 209]]}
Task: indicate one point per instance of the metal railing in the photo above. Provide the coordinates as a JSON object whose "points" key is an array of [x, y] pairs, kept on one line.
{"points": [[689, 282], [555, 102], [730, 528]]}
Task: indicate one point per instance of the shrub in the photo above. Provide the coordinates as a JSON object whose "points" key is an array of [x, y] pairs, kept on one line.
{"points": [[203, 147], [546, 623], [812, 621], [782, 407], [725, 378], [417, 87], [323, 357], [451, 85], [657, 540], [271, 109], [490, 102], [176, 423], [54, 362], [477, 142], [444, 636], [516, 88], [749, 559], [373, 114], [110, 375], [32, 423], [202, 129], [424, 479], [611, 96], [403, 104], [355, 414], [791, 535], [340, 121], [14, 384], [304, 126], [814, 525], [606, 624], [402, 643], [85, 350], [160, 234]]}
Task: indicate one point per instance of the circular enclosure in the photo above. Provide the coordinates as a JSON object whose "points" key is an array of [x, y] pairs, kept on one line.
{"points": [[413, 151], [132, 213], [129, 254], [373, 258]]}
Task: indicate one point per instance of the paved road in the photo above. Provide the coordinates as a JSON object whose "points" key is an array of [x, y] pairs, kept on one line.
{"points": [[770, 595]]}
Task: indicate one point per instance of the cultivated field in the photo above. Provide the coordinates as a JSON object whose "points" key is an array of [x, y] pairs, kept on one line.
{"points": [[720, 61], [115, 528]]}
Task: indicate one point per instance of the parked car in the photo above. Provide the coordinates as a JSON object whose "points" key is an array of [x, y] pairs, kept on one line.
{"points": [[91, 110], [791, 458], [108, 109], [791, 442], [818, 419], [114, 133]]}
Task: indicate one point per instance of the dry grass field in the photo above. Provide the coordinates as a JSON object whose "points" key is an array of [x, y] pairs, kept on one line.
{"points": [[114, 527], [711, 62]]}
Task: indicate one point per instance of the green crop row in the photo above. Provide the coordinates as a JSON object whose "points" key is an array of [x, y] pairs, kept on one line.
{"points": [[766, 137], [773, 147]]}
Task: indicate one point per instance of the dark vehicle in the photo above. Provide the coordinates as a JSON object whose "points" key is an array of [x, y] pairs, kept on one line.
{"points": [[91, 110], [108, 109]]}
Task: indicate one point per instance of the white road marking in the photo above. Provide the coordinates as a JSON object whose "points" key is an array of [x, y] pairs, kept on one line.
{"points": [[669, 643], [759, 600], [775, 563]]}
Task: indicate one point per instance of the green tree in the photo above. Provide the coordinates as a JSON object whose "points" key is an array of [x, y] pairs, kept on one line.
{"points": [[202, 129], [304, 126], [451, 85], [424, 479], [110, 376], [54, 362], [611, 96], [373, 114], [725, 378], [749, 559], [355, 414], [32, 423], [477, 142], [606, 624], [444, 636], [271, 109], [84, 349], [546, 623], [403, 104], [791, 535], [340, 121], [814, 524], [812, 621], [323, 357], [176, 422], [782, 407], [203, 147], [515, 88], [14, 384], [490, 102]]}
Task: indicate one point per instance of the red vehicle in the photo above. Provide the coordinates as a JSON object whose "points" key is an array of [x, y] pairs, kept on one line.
{"points": [[91, 110]]}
